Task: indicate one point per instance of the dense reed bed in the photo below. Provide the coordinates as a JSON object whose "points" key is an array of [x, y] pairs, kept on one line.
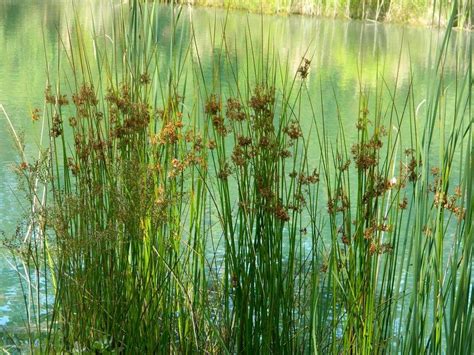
{"points": [[176, 214], [415, 11]]}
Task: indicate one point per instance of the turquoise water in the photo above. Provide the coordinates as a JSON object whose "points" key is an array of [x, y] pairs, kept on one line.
{"points": [[29, 29]]}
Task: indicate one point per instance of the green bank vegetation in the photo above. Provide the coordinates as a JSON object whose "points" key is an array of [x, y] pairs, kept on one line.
{"points": [[176, 214], [412, 11]]}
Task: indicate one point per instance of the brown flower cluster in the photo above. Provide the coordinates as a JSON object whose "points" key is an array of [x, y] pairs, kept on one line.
{"points": [[56, 126], [293, 130], [239, 156], [410, 169], [378, 187], [127, 116], [303, 69], [213, 106], [145, 79], [258, 152], [213, 109], [380, 248], [225, 171], [73, 166], [445, 201], [403, 203], [85, 98], [309, 179], [365, 155], [35, 114], [339, 203], [59, 100], [281, 213], [170, 133], [374, 228], [234, 111], [262, 103]]}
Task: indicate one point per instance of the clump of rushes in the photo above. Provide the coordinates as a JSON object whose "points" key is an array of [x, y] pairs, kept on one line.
{"points": [[130, 221], [128, 264], [260, 207], [364, 226], [188, 219], [390, 227]]}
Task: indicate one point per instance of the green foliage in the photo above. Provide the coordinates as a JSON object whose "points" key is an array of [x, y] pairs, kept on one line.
{"points": [[413, 11]]}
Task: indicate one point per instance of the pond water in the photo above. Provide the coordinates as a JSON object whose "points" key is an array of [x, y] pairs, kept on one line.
{"points": [[29, 30]]}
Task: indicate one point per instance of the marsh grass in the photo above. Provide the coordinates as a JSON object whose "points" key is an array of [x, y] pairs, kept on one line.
{"points": [[184, 214]]}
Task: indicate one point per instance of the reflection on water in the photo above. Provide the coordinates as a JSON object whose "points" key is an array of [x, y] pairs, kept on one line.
{"points": [[341, 52]]}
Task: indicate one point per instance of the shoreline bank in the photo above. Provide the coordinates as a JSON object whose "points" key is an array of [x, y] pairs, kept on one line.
{"points": [[394, 12]]}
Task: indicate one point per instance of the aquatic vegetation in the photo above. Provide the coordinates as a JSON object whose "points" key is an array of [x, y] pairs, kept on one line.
{"points": [[418, 11], [179, 214]]}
